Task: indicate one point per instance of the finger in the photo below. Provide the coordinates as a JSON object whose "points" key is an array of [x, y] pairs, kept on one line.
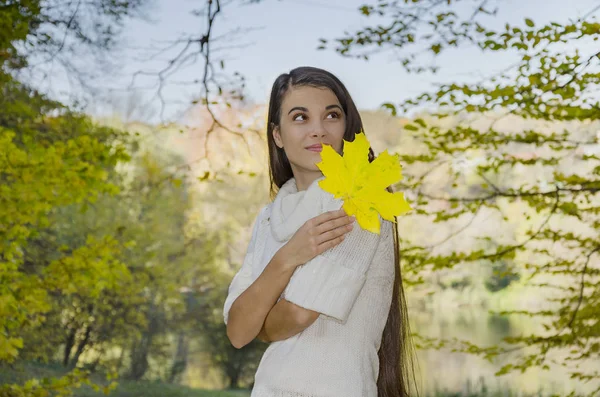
{"points": [[330, 244], [329, 215], [334, 223], [334, 233]]}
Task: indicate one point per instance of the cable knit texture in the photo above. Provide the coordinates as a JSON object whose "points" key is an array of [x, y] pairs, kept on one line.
{"points": [[350, 284]]}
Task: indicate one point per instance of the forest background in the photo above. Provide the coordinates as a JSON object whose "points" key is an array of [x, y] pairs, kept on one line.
{"points": [[130, 131]]}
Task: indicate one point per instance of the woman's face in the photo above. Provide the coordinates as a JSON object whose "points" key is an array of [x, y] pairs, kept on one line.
{"points": [[309, 116]]}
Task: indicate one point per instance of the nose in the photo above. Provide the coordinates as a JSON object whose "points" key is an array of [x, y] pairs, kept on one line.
{"points": [[318, 129]]}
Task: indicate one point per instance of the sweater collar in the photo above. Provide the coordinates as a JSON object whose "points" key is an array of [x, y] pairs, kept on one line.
{"points": [[292, 208]]}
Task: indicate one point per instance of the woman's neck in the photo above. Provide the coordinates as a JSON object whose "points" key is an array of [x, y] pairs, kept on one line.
{"points": [[305, 179]]}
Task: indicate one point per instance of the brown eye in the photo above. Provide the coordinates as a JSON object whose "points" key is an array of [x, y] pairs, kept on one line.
{"points": [[295, 117], [336, 114]]}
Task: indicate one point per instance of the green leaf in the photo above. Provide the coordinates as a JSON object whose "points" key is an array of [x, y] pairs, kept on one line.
{"points": [[421, 122], [391, 107]]}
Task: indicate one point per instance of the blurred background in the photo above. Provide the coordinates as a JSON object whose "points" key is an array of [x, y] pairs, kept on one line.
{"points": [[133, 163]]}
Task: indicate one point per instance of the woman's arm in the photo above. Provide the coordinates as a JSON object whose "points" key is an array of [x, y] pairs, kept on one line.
{"points": [[286, 320], [250, 300], [331, 282], [249, 311]]}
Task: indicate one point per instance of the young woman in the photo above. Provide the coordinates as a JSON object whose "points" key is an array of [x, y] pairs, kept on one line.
{"points": [[326, 294]]}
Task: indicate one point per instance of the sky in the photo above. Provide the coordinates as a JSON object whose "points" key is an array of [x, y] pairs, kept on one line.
{"points": [[284, 34]]}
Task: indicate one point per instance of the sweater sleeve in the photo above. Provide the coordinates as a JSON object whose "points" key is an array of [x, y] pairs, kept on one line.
{"points": [[243, 278], [331, 282]]}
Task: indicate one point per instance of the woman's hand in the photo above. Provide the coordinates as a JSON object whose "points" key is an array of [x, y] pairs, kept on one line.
{"points": [[316, 236]]}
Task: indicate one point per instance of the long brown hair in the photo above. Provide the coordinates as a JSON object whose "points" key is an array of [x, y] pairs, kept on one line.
{"points": [[396, 354]]}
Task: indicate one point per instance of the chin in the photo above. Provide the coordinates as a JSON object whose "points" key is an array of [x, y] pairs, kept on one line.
{"points": [[312, 168]]}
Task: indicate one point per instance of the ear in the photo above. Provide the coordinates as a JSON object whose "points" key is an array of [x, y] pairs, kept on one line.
{"points": [[277, 137]]}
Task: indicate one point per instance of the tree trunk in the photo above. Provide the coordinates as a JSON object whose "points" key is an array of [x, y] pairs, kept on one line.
{"points": [[234, 371], [141, 349], [81, 346], [69, 346], [139, 357], [181, 359], [234, 381]]}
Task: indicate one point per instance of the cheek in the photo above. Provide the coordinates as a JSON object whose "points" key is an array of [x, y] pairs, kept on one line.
{"points": [[339, 133], [292, 137]]}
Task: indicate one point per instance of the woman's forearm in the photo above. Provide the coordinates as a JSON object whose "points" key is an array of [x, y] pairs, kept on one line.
{"points": [[286, 320], [249, 311]]}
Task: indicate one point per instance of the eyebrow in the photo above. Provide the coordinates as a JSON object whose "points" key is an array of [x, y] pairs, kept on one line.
{"points": [[306, 110]]}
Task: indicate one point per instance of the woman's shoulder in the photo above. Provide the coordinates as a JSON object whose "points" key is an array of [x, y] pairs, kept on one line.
{"points": [[265, 212], [261, 219]]}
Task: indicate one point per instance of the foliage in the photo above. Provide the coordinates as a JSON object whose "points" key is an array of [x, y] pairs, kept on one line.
{"points": [[100, 246], [237, 365], [480, 388], [553, 82], [38, 33], [205, 305], [123, 389], [37, 177]]}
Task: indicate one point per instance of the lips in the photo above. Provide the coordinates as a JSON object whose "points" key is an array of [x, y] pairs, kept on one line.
{"points": [[315, 148]]}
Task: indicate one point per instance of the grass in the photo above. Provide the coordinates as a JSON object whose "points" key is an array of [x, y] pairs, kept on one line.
{"points": [[484, 393], [481, 388], [160, 389], [124, 389], [150, 389]]}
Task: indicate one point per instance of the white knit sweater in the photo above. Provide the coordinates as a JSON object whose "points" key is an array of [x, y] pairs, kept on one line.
{"points": [[350, 284]]}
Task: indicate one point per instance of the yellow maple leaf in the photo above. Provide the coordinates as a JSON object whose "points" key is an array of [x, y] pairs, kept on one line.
{"points": [[362, 185]]}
